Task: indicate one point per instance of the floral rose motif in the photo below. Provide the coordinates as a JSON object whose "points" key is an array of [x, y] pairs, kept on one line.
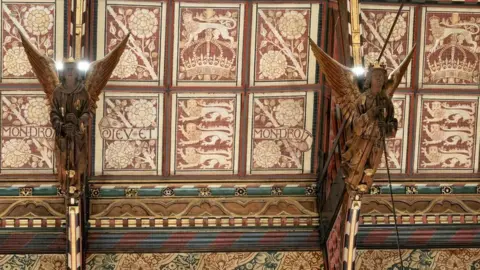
{"points": [[398, 31], [38, 20], [37, 111], [292, 25], [16, 61], [142, 113], [119, 154], [289, 113], [143, 23], [127, 65], [266, 154], [15, 153], [273, 65]]}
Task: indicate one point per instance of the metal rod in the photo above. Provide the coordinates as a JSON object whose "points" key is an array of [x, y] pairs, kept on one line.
{"points": [[383, 138], [390, 33]]}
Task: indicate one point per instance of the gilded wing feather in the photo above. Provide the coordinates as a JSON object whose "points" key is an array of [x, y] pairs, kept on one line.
{"points": [[396, 76], [341, 80], [101, 70], [43, 67]]}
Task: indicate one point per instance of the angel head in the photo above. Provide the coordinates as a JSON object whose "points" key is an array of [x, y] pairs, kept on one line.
{"points": [[70, 72], [376, 78]]}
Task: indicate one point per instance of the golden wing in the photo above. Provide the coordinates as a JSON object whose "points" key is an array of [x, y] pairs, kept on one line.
{"points": [[101, 70], [42, 66], [396, 76], [341, 80]]}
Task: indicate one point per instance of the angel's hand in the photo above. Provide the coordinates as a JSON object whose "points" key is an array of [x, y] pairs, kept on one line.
{"points": [[71, 118]]}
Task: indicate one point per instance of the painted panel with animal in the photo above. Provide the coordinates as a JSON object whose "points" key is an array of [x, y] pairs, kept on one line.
{"points": [[450, 48]]}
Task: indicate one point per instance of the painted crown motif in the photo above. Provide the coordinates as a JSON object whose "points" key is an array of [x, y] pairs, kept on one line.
{"points": [[453, 62], [208, 57]]}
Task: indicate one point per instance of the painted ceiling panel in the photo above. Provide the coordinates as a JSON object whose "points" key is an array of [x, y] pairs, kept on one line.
{"points": [[377, 21], [450, 48], [41, 23], [279, 44], [205, 133], [279, 133], [447, 134], [129, 134], [208, 44], [142, 63]]}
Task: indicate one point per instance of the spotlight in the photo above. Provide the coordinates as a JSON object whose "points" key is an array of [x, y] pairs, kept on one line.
{"points": [[59, 66], [359, 71], [83, 65]]}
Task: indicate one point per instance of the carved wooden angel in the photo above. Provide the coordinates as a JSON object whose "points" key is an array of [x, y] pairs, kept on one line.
{"points": [[369, 114], [73, 98]]}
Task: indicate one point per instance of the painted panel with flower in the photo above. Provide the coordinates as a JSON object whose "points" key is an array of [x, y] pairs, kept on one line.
{"points": [[450, 48], [272, 260], [205, 134], [27, 136], [128, 134], [37, 22], [280, 138], [447, 136], [397, 146], [280, 49], [143, 59], [376, 23], [419, 259], [33, 261], [208, 45]]}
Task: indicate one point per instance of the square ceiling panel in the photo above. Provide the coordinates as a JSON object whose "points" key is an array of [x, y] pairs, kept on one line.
{"points": [[142, 63], [280, 133], [27, 136], [41, 23], [447, 134], [450, 47], [208, 44], [128, 134], [280, 53], [376, 23], [205, 133]]}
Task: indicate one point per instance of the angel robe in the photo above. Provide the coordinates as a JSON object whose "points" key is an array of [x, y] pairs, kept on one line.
{"points": [[76, 102], [363, 151]]}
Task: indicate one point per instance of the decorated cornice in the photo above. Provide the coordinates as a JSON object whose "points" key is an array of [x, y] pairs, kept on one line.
{"points": [[421, 210]]}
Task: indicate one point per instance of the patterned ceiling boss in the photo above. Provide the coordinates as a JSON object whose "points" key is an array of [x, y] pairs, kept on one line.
{"points": [[280, 136], [450, 48], [397, 146], [205, 133], [376, 23], [142, 61], [208, 44], [27, 136], [448, 128], [37, 21], [129, 134], [280, 43]]}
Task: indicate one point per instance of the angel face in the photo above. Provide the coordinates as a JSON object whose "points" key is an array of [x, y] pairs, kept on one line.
{"points": [[378, 80], [70, 74]]}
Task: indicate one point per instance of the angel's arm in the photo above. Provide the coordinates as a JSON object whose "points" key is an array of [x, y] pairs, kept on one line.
{"points": [[56, 117]]}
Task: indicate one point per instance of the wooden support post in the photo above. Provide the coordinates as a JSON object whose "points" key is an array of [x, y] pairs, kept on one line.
{"points": [[351, 230], [74, 232]]}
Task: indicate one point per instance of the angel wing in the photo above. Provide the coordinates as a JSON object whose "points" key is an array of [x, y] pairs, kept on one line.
{"points": [[396, 76], [42, 65], [101, 70], [341, 80]]}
